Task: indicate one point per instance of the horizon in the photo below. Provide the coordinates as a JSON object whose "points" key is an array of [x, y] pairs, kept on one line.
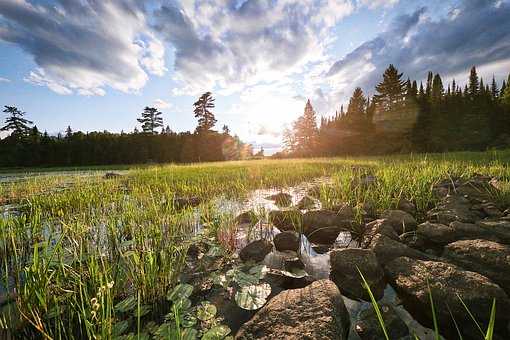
{"points": [[260, 62]]}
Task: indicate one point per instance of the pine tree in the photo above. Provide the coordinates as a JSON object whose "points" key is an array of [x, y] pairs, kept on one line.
{"points": [[69, 132], [494, 89], [474, 85], [357, 106], [306, 131], [15, 122], [151, 119], [437, 90], [206, 119], [391, 91]]}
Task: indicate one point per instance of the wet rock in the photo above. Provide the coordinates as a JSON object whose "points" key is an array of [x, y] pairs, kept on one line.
{"points": [[292, 264], [186, 202], [314, 312], [453, 208], [323, 226], [488, 258], [380, 226], [436, 233], [400, 220], [286, 240], [344, 272], [414, 240], [247, 217], [306, 203], [323, 235], [281, 199], [407, 206], [498, 229], [411, 278], [368, 327], [386, 249], [256, 251], [111, 175], [286, 219]]}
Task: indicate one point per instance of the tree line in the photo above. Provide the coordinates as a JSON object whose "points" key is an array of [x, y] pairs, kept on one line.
{"points": [[27, 146], [403, 116]]}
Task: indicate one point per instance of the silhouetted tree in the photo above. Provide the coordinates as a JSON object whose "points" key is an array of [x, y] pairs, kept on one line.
{"points": [[202, 106], [151, 120], [15, 122]]}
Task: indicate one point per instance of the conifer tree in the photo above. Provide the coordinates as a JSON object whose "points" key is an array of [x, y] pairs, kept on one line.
{"points": [[202, 106], [15, 122], [391, 91], [306, 131], [474, 85], [151, 119]]}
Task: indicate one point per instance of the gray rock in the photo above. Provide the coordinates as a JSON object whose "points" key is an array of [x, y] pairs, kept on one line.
{"points": [[453, 208], [306, 203], [436, 233], [400, 220], [286, 240], [498, 229], [291, 219], [368, 327], [407, 206], [488, 258], [380, 226], [281, 199], [344, 272], [412, 279], [323, 226], [247, 217], [386, 249], [314, 312], [256, 251]]}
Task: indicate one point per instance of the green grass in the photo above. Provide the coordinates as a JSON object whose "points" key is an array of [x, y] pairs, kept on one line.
{"points": [[82, 244]]}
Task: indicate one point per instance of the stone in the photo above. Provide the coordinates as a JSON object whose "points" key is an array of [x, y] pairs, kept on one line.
{"points": [[386, 249], [453, 208], [380, 226], [498, 229], [306, 203], [491, 210], [400, 220], [407, 206], [343, 211], [368, 328], [412, 278], [256, 251], [281, 199], [248, 217], [112, 175], [436, 233], [344, 272], [488, 258], [324, 226], [314, 312], [286, 240], [286, 219]]}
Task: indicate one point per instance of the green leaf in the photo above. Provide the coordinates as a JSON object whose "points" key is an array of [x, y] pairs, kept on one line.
{"points": [[188, 320], [216, 333], [214, 251], [120, 327], [166, 331], [206, 311], [296, 273], [189, 334], [126, 305], [243, 279], [220, 280], [259, 271], [375, 305], [253, 297], [182, 304], [179, 292], [144, 310]]}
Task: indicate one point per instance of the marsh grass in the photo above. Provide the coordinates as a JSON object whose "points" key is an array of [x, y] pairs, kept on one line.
{"points": [[79, 245]]}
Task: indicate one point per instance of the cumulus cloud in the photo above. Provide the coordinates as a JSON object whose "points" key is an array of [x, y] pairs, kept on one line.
{"points": [[4, 80], [232, 44], [477, 32], [84, 46], [161, 104]]}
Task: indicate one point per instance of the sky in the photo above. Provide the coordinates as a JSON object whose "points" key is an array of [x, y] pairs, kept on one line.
{"points": [[95, 64]]}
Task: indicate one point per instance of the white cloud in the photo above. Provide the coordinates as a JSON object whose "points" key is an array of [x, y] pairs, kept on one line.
{"points": [[161, 104], [4, 80]]}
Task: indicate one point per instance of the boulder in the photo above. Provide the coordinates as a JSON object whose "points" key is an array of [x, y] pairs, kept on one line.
{"points": [[306, 203], [488, 258], [471, 231], [256, 251], [498, 229], [323, 226], [247, 217], [386, 249], [343, 211], [286, 240], [400, 220], [491, 210], [281, 199], [376, 227], [368, 327], [436, 233], [314, 312], [453, 208], [344, 272], [407, 206], [412, 279], [286, 219]]}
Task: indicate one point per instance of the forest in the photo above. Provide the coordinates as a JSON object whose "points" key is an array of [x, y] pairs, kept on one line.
{"points": [[401, 117]]}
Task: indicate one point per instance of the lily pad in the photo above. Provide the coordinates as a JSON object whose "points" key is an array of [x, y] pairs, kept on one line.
{"points": [[188, 320], [253, 297], [243, 279], [144, 310], [220, 280], [179, 292], [297, 273], [216, 333], [126, 305], [120, 327], [182, 304], [259, 271], [206, 311], [189, 334]]}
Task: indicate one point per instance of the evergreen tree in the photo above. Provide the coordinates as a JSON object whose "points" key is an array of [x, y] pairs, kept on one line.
{"points": [[151, 119], [306, 132], [357, 106], [15, 122], [225, 130], [69, 132], [474, 85], [202, 106], [391, 91], [494, 89]]}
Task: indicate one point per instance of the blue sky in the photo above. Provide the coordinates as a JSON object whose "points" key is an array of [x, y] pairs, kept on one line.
{"points": [[96, 64]]}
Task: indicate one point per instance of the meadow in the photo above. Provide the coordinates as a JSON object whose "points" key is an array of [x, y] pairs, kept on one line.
{"points": [[83, 256]]}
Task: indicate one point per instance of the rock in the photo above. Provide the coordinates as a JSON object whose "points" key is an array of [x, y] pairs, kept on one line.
{"points": [[491, 210], [323, 226], [281, 199], [247, 217], [111, 175], [233, 316], [367, 209], [368, 327], [256, 251], [306, 203], [411, 278], [414, 240], [314, 312], [286, 240], [477, 188], [400, 220], [376, 227], [186, 202], [343, 211], [294, 263], [488, 258], [436, 233], [453, 208], [386, 249], [498, 229], [407, 206], [286, 219], [471, 231], [344, 272]]}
